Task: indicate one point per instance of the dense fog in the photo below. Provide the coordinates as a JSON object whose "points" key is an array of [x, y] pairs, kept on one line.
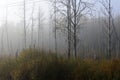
{"points": [[39, 22]]}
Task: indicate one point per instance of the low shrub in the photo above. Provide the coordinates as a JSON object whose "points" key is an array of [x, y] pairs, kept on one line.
{"points": [[36, 65]]}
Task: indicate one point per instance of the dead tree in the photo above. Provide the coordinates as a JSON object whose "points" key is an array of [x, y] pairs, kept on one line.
{"points": [[40, 28], [75, 25], [32, 27], [55, 25], [75, 10], [2, 40], [111, 33], [80, 9], [24, 23], [67, 5], [6, 24], [39, 25], [69, 27]]}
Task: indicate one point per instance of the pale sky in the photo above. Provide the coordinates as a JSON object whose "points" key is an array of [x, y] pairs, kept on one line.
{"points": [[15, 8], [116, 4]]}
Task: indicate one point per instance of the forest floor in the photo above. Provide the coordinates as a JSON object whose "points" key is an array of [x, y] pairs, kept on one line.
{"points": [[32, 64]]}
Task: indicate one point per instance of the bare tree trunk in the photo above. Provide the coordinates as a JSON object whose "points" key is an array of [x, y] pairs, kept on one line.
{"points": [[24, 24], [109, 32], [75, 26], [39, 24], [2, 41], [69, 27], [55, 24], [7, 29], [11, 47], [75, 10], [32, 27]]}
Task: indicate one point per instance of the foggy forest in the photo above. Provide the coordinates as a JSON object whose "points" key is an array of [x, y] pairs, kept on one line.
{"points": [[59, 40]]}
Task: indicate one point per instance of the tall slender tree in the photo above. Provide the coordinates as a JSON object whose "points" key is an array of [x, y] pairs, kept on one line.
{"points": [[109, 31], [24, 23], [75, 25], [39, 25], [69, 27], [6, 28], [2, 40], [75, 10], [111, 34], [32, 27], [55, 24], [80, 9]]}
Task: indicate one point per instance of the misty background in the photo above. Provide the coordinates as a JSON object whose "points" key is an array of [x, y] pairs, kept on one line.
{"points": [[91, 32]]}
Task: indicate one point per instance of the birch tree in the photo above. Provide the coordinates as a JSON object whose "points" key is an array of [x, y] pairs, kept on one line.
{"points": [[110, 31], [75, 11]]}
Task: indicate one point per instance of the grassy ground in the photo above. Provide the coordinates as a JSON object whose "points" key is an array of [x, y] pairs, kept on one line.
{"points": [[35, 65]]}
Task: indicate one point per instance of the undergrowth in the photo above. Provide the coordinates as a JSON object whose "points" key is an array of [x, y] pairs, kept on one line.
{"points": [[33, 64]]}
